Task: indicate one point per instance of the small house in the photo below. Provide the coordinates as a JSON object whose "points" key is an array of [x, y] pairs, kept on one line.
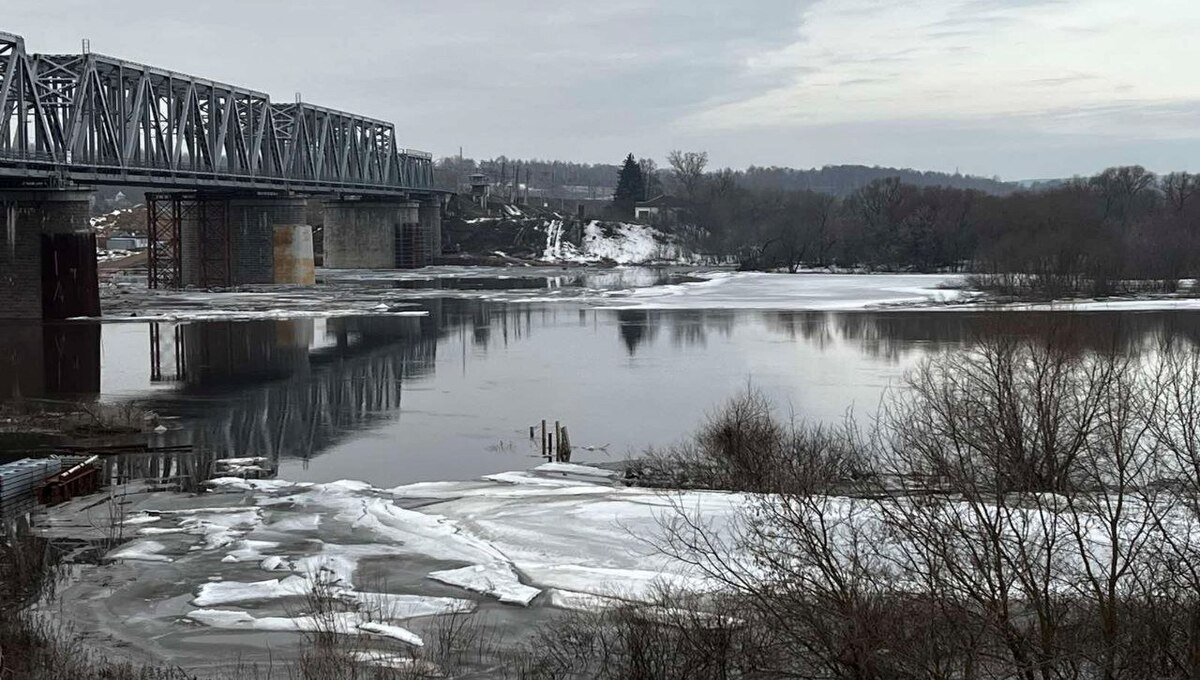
{"points": [[662, 209]]}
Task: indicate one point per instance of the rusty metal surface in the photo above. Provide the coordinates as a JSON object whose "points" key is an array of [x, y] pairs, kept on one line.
{"points": [[294, 255]]}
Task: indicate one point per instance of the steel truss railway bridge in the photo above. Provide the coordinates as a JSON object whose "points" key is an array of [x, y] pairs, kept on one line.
{"points": [[237, 174]]}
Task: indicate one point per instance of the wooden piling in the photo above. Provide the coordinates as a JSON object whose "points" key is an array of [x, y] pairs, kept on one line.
{"points": [[564, 447], [543, 436]]}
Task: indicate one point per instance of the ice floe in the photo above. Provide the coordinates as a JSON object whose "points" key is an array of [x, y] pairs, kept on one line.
{"points": [[494, 580], [797, 292], [143, 551], [398, 607], [232, 592], [249, 551], [344, 623]]}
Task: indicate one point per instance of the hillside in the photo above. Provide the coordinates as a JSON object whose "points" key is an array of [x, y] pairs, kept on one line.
{"points": [[559, 179], [843, 180]]}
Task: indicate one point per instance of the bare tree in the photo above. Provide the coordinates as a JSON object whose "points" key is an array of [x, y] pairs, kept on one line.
{"points": [[689, 169], [1120, 187], [651, 181], [1179, 188]]}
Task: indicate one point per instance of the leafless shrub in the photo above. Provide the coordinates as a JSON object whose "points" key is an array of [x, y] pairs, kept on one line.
{"points": [[1011, 414], [463, 639], [743, 445], [673, 637]]}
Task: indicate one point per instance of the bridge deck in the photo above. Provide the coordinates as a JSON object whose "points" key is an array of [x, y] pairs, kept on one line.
{"points": [[21, 169]]}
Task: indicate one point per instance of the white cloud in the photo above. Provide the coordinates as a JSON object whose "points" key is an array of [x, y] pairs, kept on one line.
{"points": [[1068, 67]]}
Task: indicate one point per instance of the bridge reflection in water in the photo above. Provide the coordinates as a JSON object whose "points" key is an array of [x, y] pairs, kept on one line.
{"points": [[262, 388], [50, 361], [287, 388]]}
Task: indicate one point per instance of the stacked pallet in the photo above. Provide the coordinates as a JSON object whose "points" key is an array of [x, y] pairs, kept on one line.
{"points": [[20, 481]]}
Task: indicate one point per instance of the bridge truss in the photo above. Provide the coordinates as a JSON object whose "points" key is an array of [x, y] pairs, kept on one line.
{"points": [[92, 118]]}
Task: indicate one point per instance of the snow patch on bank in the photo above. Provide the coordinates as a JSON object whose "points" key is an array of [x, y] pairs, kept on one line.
{"points": [[618, 242]]}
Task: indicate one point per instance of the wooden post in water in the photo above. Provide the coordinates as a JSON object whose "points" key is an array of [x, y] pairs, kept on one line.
{"points": [[564, 447], [557, 438], [531, 429], [543, 436]]}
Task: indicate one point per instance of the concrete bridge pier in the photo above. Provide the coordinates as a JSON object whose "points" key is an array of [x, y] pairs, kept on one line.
{"points": [[47, 255], [373, 234], [232, 241], [431, 227]]}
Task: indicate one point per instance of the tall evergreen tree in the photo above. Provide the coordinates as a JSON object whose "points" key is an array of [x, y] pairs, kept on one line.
{"points": [[631, 186]]}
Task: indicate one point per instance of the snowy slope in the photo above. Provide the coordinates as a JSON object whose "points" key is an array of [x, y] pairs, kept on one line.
{"points": [[618, 242]]}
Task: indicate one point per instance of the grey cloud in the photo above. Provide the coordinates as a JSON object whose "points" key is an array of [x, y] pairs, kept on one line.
{"points": [[503, 77], [573, 79]]}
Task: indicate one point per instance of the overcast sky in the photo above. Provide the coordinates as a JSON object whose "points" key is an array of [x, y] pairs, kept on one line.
{"points": [[1017, 88]]}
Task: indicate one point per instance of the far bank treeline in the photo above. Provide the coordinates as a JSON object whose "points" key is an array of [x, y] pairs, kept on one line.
{"points": [[1123, 229], [1121, 223]]}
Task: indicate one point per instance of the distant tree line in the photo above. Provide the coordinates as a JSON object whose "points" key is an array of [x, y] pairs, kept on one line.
{"points": [[843, 180], [554, 177], [1093, 235]]}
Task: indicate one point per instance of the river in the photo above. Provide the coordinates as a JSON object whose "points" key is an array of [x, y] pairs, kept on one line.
{"points": [[448, 390]]}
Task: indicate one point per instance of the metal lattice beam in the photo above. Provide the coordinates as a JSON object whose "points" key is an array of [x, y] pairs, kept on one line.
{"points": [[95, 118], [164, 217]]}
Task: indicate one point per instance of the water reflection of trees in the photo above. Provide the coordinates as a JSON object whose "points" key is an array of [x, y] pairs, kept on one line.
{"points": [[687, 328], [891, 335]]}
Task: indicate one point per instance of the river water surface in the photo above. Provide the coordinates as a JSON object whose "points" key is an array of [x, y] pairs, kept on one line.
{"points": [[449, 390]]}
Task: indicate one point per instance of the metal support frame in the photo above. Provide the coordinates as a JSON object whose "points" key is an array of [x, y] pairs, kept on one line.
{"points": [[216, 262], [410, 246], [164, 218], [92, 118]]}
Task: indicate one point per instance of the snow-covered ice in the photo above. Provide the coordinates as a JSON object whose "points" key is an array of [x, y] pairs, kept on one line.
{"points": [[795, 292], [395, 632], [396, 607], [497, 581], [249, 551], [144, 551], [512, 535], [344, 623], [232, 592], [561, 536], [575, 469]]}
